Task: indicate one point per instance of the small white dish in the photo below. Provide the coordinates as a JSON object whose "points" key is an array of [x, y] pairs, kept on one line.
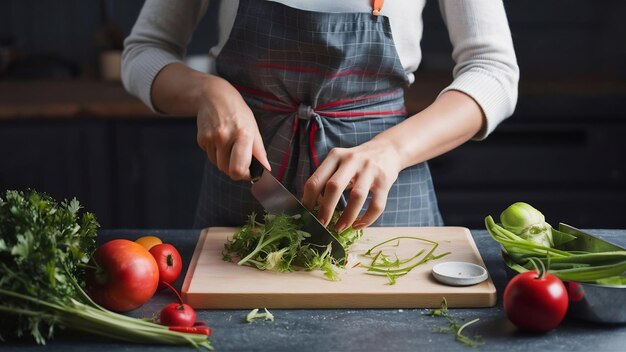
{"points": [[459, 273]]}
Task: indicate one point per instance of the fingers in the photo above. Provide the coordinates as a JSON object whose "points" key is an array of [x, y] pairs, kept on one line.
{"points": [[231, 148], [358, 196], [258, 151], [375, 208], [315, 184], [240, 157], [227, 131], [223, 147], [335, 186], [359, 169]]}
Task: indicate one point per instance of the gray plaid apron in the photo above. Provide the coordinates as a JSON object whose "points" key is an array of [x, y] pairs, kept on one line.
{"points": [[314, 81]]}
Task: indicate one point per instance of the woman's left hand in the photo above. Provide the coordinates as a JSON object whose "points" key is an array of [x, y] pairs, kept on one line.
{"points": [[370, 167]]}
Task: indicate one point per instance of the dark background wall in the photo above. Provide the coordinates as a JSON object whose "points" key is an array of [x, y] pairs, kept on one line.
{"points": [[562, 151]]}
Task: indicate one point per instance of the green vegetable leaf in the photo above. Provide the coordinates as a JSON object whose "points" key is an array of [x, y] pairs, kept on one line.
{"points": [[455, 327], [255, 315], [278, 244]]}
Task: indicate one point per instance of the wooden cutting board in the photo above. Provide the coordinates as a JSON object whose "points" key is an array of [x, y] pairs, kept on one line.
{"points": [[214, 283]]}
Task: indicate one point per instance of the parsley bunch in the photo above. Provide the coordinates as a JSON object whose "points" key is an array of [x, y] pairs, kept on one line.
{"points": [[43, 246]]}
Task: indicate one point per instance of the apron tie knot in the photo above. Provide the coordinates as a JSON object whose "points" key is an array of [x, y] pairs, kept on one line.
{"points": [[305, 111]]}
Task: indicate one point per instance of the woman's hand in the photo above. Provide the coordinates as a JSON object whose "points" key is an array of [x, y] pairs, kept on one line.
{"points": [[227, 129], [370, 167]]}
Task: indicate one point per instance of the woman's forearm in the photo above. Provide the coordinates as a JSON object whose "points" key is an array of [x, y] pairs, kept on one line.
{"points": [[177, 89], [448, 122]]}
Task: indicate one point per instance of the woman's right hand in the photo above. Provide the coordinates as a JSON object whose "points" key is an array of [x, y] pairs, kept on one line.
{"points": [[227, 129]]}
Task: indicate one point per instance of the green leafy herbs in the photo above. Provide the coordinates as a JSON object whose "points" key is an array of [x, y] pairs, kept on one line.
{"points": [[278, 243], [255, 315], [455, 326], [524, 234], [44, 247], [388, 264]]}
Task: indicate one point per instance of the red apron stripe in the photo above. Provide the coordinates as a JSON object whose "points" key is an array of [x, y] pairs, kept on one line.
{"points": [[287, 155], [312, 135], [348, 101], [362, 113]]}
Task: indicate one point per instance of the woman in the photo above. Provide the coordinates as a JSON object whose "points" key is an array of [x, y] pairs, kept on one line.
{"points": [[314, 91]]}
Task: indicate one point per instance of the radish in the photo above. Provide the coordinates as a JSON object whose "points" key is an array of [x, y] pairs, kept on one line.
{"points": [[177, 314]]}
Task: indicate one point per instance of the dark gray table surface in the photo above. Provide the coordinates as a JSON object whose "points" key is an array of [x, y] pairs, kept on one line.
{"points": [[356, 329]]}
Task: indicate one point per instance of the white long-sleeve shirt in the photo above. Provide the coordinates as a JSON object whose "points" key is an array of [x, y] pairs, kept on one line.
{"points": [[485, 63]]}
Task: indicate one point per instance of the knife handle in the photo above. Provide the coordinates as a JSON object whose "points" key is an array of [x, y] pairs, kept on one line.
{"points": [[256, 170]]}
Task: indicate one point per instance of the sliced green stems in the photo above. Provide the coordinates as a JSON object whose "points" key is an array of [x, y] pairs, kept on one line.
{"points": [[402, 270], [534, 248], [401, 262], [592, 257], [384, 269], [369, 251], [464, 339], [591, 273], [506, 237]]}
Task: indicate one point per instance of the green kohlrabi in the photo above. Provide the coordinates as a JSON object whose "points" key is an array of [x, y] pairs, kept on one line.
{"points": [[528, 223]]}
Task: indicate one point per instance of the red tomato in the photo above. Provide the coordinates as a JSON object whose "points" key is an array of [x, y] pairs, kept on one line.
{"points": [[535, 303], [177, 314], [169, 262], [576, 292], [126, 278]]}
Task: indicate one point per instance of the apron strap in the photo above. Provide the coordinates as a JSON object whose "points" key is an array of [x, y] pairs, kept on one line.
{"points": [[377, 6]]}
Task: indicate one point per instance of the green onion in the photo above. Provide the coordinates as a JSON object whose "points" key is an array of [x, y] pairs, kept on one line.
{"points": [[524, 235]]}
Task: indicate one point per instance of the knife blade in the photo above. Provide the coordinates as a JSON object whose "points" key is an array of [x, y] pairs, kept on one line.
{"points": [[586, 242], [275, 198]]}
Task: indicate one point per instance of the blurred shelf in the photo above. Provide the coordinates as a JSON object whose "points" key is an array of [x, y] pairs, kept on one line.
{"points": [[571, 97], [68, 99], [568, 98]]}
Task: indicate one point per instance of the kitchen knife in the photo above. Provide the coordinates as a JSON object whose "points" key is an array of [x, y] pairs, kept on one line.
{"points": [[586, 242], [275, 198]]}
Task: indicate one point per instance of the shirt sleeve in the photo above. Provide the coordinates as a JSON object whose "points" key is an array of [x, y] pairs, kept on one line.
{"points": [[485, 64], [159, 37]]}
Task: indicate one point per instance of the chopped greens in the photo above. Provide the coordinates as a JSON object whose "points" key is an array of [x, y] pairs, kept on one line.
{"points": [[44, 248], [393, 267], [454, 326], [277, 244], [255, 315]]}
